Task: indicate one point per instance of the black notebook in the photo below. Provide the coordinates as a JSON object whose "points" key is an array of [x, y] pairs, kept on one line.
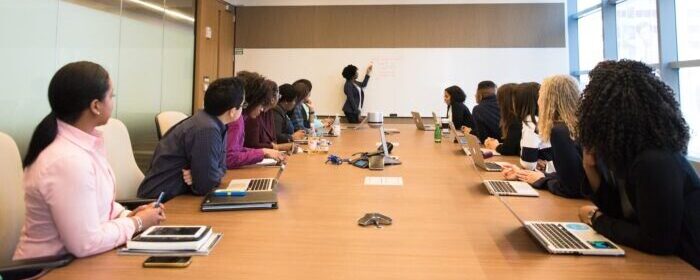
{"points": [[252, 200]]}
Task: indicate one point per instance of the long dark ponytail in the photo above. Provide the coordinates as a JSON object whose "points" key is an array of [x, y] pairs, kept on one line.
{"points": [[71, 91]]}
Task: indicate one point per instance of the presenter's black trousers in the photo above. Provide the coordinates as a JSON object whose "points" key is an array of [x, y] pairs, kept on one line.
{"points": [[352, 117]]}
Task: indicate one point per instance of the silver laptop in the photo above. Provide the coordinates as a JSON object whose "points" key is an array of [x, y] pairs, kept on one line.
{"points": [[460, 139], [419, 122], [478, 157], [568, 238], [252, 185], [388, 160], [437, 120], [510, 188]]}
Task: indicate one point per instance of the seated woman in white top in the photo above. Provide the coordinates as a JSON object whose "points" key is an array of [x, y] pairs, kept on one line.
{"points": [[535, 154], [69, 185], [557, 104]]}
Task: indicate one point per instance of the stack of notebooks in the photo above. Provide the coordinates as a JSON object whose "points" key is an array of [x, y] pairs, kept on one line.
{"points": [[172, 241]]}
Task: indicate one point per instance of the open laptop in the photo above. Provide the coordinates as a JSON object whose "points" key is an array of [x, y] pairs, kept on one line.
{"points": [[419, 122], [437, 120], [246, 194], [478, 157], [510, 188], [568, 238], [241, 187], [388, 160], [460, 139]]}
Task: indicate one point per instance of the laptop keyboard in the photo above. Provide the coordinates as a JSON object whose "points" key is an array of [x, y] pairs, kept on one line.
{"points": [[559, 237], [502, 187], [260, 185], [492, 165]]}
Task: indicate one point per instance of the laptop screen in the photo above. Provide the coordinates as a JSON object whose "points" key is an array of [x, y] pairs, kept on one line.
{"points": [[383, 137]]}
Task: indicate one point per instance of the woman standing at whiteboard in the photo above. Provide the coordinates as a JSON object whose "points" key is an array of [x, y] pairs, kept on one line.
{"points": [[354, 92]]}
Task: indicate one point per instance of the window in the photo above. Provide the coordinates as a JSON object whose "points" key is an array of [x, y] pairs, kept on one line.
{"points": [[688, 29], [637, 31], [585, 4], [583, 81], [590, 41], [690, 105]]}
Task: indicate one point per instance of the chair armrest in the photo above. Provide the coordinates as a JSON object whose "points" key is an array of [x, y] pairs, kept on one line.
{"points": [[32, 267], [132, 204]]}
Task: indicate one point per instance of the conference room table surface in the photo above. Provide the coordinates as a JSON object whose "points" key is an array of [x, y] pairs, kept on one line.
{"points": [[445, 226]]}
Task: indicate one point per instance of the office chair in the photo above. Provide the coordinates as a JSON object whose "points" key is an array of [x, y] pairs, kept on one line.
{"points": [[120, 156], [166, 120], [12, 216]]}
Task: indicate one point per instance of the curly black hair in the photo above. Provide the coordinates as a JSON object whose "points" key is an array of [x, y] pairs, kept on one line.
{"points": [[259, 91], [349, 72], [456, 93], [626, 109]]}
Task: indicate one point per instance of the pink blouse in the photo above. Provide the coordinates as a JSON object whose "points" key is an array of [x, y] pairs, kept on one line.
{"points": [[69, 196]]}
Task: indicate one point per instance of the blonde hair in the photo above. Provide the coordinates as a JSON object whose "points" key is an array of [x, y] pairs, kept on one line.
{"points": [[560, 98]]}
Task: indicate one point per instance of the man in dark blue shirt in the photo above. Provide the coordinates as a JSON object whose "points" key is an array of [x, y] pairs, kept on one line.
{"points": [[486, 114], [197, 143]]}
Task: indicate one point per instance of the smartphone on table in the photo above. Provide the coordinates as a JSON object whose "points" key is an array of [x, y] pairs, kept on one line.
{"points": [[167, 262]]}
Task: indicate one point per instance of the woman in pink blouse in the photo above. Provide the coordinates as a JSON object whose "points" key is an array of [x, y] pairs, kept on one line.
{"points": [[68, 183]]}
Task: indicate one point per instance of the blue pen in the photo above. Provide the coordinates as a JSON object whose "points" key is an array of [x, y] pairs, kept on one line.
{"points": [[159, 200]]}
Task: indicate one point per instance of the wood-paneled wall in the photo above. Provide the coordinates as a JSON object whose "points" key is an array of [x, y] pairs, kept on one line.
{"points": [[213, 56], [402, 26]]}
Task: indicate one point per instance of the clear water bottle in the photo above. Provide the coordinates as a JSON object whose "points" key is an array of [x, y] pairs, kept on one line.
{"points": [[312, 140], [336, 125]]}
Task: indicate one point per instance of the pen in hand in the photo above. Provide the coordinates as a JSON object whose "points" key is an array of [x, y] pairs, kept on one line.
{"points": [[159, 200]]}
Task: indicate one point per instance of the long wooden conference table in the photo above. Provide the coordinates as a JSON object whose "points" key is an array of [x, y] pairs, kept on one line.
{"points": [[445, 226]]}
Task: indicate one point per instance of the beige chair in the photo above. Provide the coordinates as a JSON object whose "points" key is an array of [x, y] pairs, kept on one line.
{"points": [[12, 218], [11, 197], [166, 120], [120, 155]]}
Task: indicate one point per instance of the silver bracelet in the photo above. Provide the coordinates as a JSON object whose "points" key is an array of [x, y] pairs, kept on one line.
{"points": [[139, 222]]}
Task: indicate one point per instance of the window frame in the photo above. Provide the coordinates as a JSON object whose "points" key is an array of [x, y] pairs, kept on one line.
{"points": [[668, 65]]}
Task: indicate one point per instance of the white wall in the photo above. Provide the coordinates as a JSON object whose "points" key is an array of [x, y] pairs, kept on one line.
{"points": [[403, 79], [375, 2]]}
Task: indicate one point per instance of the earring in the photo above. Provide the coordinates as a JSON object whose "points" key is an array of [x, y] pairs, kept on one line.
{"points": [[99, 113]]}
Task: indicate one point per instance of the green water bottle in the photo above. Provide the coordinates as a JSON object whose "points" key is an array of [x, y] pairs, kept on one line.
{"points": [[438, 133]]}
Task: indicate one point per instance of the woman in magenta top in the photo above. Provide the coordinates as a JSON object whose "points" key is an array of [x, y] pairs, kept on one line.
{"points": [[259, 93], [69, 185]]}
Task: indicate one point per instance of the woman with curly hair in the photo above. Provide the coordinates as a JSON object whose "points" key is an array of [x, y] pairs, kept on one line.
{"points": [[634, 138], [354, 92], [457, 112], [558, 102], [248, 128]]}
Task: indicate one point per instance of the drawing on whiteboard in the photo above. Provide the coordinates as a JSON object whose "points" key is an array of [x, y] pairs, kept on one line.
{"points": [[385, 66]]}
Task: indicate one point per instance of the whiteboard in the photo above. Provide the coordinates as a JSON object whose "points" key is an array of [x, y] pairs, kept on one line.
{"points": [[403, 80]]}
